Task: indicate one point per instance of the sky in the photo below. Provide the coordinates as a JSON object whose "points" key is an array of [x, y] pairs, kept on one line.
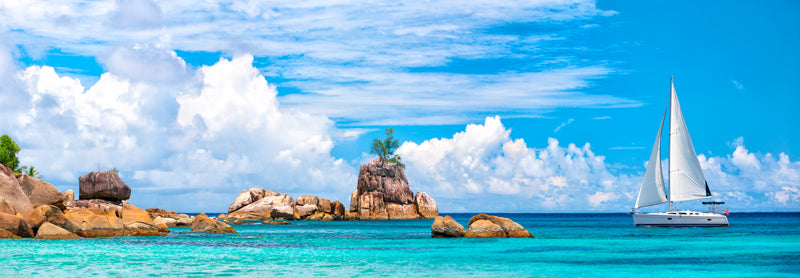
{"points": [[500, 106]]}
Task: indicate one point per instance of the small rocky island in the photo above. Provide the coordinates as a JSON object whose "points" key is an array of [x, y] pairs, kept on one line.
{"points": [[382, 193], [30, 207], [480, 225]]}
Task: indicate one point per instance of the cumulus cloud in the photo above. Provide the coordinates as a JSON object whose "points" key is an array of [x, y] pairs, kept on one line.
{"points": [[483, 168], [221, 131], [484, 163]]}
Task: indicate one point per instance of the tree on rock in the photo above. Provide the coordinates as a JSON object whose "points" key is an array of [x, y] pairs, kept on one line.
{"points": [[385, 149], [8, 153]]}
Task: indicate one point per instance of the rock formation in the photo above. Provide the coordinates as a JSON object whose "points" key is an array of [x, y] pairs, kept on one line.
{"points": [[483, 225], [169, 218], [40, 192], [12, 198], [15, 224], [480, 225], [203, 224], [447, 227], [104, 185], [50, 231], [257, 204], [383, 194]]}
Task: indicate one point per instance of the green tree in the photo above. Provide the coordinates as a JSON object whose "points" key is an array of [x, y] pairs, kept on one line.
{"points": [[8, 153], [30, 171], [385, 149]]}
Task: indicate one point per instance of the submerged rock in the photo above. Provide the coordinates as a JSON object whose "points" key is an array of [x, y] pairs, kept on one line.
{"points": [[203, 224], [105, 185], [447, 227]]}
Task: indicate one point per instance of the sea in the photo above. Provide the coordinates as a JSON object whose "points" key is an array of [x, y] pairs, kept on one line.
{"points": [[566, 245]]}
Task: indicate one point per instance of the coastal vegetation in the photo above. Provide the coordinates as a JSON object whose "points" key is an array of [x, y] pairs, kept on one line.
{"points": [[8, 157], [385, 149]]}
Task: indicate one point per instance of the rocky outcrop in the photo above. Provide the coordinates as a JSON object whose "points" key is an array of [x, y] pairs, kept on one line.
{"points": [[7, 234], [104, 185], [483, 225], [69, 195], [13, 197], [53, 215], [447, 227], [137, 222], [50, 231], [480, 225], [40, 192], [273, 222], [169, 218], [426, 206], [383, 193], [247, 197], [15, 224], [262, 209], [203, 224]]}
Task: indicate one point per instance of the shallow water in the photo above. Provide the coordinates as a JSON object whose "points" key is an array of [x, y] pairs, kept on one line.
{"points": [[567, 245]]}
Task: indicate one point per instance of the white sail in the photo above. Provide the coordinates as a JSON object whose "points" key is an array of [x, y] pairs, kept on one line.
{"points": [[686, 180], [652, 191]]}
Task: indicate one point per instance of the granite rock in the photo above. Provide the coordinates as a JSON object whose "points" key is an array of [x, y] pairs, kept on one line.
{"points": [[447, 227], [50, 231], [105, 185], [40, 192], [203, 224]]}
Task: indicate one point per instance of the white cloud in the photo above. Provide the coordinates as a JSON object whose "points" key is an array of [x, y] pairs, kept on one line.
{"points": [[218, 133], [363, 54], [563, 125], [598, 198], [483, 163]]}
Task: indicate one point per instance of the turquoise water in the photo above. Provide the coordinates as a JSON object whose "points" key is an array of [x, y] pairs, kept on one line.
{"points": [[567, 245]]}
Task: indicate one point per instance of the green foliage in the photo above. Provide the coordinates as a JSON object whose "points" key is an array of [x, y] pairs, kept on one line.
{"points": [[8, 153], [30, 171], [385, 149]]}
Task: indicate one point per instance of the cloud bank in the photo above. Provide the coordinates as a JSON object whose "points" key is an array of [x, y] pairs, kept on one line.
{"points": [[484, 169]]}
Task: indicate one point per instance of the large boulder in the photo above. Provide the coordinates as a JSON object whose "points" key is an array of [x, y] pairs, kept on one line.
{"points": [[338, 208], [6, 206], [307, 200], [105, 185], [7, 234], [325, 206], [40, 192], [261, 209], [447, 227], [15, 225], [203, 224], [321, 216], [53, 215], [12, 193], [246, 197], [372, 206], [483, 225], [131, 214], [95, 225], [426, 206], [50, 231], [166, 221], [303, 211], [282, 212], [69, 195], [385, 178]]}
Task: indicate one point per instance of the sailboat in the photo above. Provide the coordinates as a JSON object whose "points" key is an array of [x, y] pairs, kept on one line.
{"points": [[686, 180]]}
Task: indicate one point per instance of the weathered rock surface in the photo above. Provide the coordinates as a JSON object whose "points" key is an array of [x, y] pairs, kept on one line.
{"points": [[96, 225], [426, 206], [203, 224], [53, 215], [338, 208], [166, 221], [447, 227], [303, 211], [483, 225], [325, 206], [321, 216], [105, 185], [131, 214], [15, 224], [7, 234], [40, 192], [383, 193], [12, 193], [50, 231], [282, 212], [262, 208], [246, 197], [307, 200], [69, 195]]}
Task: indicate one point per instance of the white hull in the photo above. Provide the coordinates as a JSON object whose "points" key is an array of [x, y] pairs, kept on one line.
{"points": [[680, 219]]}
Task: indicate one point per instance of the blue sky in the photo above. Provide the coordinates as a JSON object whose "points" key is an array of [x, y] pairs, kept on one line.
{"points": [[548, 105]]}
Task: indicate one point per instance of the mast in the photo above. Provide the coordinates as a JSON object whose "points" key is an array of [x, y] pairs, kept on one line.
{"points": [[669, 142]]}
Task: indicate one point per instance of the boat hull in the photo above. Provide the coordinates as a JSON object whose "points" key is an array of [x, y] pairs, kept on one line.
{"points": [[680, 219]]}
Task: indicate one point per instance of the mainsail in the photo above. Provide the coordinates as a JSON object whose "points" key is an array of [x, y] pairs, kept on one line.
{"points": [[686, 180], [652, 191]]}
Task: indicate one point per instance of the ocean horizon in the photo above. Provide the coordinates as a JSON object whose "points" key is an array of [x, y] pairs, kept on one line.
{"points": [[763, 244]]}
